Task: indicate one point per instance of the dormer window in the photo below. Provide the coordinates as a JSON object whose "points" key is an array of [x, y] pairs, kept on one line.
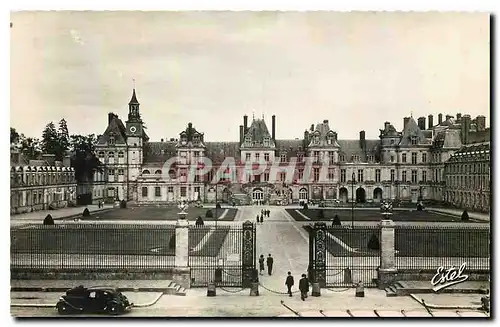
{"points": [[111, 140], [414, 140], [196, 138], [248, 139], [266, 141], [316, 139]]}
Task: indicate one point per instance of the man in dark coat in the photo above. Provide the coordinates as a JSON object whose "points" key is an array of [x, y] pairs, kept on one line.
{"points": [[270, 262], [257, 219], [303, 287], [261, 264], [289, 283], [261, 218]]}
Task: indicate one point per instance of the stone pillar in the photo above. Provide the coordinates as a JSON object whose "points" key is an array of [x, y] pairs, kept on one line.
{"points": [[181, 272], [387, 270]]}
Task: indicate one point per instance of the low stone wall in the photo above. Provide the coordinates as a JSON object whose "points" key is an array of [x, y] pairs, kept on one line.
{"points": [[180, 276]]}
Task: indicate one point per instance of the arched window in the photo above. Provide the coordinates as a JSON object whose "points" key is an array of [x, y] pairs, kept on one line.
{"points": [[146, 172], [158, 172], [303, 194]]}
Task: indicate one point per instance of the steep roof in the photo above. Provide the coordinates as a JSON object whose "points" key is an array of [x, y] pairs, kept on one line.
{"points": [[410, 130], [159, 151], [115, 128], [322, 134], [218, 151], [290, 147], [353, 147], [133, 100], [257, 132]]}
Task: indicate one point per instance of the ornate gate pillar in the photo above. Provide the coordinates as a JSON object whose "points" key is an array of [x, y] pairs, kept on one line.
{"points": [[318, 268], [248, 254]]}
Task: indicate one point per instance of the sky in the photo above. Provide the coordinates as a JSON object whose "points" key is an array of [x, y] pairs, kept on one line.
{"points": [[357, 69]]}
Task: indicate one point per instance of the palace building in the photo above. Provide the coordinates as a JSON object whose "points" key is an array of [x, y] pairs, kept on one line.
{"points": [[405, 165], [40, 184]]}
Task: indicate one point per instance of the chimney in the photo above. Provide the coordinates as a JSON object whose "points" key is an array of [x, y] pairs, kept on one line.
{"points": [[50, 158], [312, 127], [325, 121], [386, 125], [362, 141], [245, 124], [242, 135], [431, 121], [273, 127], [110, 117], [405, 121], [449, 117], [480, 123], [306, 135], [459, 116], [440, 119], [466, 128], [421, 123], [161, 140]]}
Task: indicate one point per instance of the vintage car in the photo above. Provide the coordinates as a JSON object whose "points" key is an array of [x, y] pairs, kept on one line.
{"points": [[93, 300]]}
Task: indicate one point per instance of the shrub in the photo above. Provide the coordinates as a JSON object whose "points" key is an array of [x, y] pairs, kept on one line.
{"points": [[465, 215], [86, 213], [374, 243], [306, 206], [123, 204], [209, 214], [336, 221], [321, 214], [48, 220], [217, 206]]}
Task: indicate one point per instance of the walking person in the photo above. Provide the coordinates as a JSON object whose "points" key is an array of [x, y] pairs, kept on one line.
{"points": [[261, 218], [289, 283], [257, 219], [270, 262], [261, 264], [303, 287]]}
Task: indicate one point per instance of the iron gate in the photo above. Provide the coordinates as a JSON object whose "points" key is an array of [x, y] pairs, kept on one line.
{"points": [[223, 254], [341, 256]]}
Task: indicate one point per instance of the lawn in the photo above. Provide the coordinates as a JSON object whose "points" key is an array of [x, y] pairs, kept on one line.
{"points": [[414, 242], [144, 240], [369, 215], [161, 213]]}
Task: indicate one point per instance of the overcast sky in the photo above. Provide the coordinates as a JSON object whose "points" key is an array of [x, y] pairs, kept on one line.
{"points": [[355, 69]]}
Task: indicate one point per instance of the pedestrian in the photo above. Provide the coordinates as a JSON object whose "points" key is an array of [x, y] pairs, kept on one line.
{"points": [[268, 212], [303, 287], [270, 262], [289, 283], [261, 218], [261, 264], [257, 219]]}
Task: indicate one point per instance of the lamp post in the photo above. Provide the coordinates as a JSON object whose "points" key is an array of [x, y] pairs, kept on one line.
{"points": [[216, 201], [352, 196]]}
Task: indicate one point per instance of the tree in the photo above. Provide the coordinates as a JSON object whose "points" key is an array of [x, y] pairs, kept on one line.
{"points": [[50, 139], [30, 148], [63, 139], [465, 215], [84, 160], [14, 136]]}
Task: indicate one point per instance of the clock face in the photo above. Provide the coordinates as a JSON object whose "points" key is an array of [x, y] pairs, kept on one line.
{"points": [[133, 129]]}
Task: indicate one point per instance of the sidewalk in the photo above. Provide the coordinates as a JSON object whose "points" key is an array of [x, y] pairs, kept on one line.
{"points": [[458, 213], [58, 214]]}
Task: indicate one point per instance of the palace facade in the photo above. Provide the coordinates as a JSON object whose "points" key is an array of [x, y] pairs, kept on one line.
{"points": [[405, 165], [40, 184]]}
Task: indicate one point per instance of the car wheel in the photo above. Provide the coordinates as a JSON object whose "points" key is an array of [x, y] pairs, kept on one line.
{"points": [[62, 308], [114, 308]]}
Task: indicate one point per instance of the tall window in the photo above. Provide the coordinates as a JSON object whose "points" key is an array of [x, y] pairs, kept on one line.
{"points": [[413, 158], [300, 157], [316, 174], [403, 176], [301, 174], [342, 175], [266, 177], [197, 189], [111, 172], [424, 157], [282, 177], [144, 191], [316, 156], [392, 158], [414, 140], [331, 157], [283, 157], [170, 189], [403, 157], [377, 175], [157, 191], [248, 156], [257, 157], [341, 158], [183, 191], [331, 174], [424, 176], [266, 156], [414, 176], [360, 175]]}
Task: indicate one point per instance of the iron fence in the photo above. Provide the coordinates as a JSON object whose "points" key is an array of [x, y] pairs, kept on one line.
{"points": [[429, 247], [91, 247], [218, 255]]}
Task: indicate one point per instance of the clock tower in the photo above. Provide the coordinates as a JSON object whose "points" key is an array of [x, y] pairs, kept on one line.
{"points": [[135, 142]]}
